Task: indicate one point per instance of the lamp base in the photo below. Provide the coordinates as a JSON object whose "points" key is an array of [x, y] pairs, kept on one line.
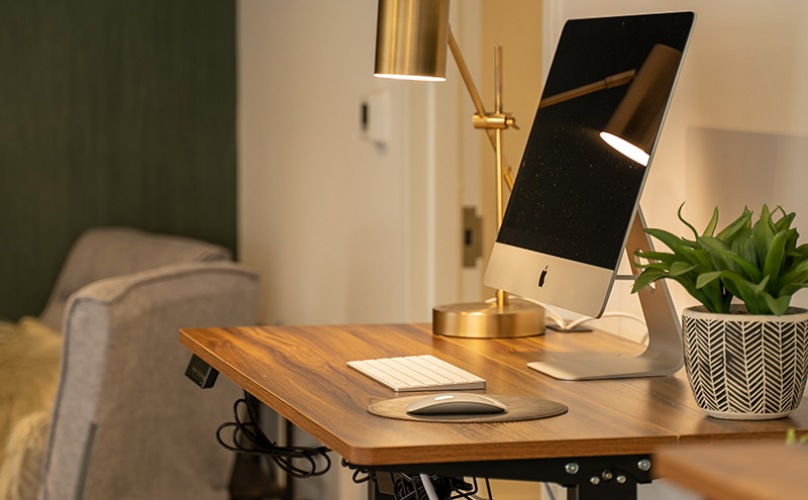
{"points": [[485, 320]]}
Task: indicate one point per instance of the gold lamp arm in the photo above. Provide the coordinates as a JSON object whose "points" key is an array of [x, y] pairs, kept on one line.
{"points": [[482, 119], [493, 123]]}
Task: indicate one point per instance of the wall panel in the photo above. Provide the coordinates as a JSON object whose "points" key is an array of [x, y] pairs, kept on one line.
{"points": [[113, 113]]}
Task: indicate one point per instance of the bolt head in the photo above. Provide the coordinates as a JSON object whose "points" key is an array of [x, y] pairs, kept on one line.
{"points": [[594, 480], [571, 468], [644, 465], [621, 479]]}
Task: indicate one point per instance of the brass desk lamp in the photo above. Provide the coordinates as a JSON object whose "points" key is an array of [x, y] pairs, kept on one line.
{"points": [[411, 40]]}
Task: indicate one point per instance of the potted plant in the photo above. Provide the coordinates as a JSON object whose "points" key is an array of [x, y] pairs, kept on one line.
{"points": [[745, 346]]}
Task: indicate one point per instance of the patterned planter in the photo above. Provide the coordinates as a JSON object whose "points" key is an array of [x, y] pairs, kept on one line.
{"points": [[743, 366]]}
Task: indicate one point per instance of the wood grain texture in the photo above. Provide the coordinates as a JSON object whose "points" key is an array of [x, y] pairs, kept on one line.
{"points": [[756, 471], [301, 372]]}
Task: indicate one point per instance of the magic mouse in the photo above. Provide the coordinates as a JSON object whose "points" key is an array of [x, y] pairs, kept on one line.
{"points": [[455, 403]]}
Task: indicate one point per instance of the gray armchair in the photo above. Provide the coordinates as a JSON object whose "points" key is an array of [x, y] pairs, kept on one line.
{"points": [[126, 422]]}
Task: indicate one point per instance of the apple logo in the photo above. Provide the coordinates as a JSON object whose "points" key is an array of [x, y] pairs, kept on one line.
{"points": [[542, 276]]}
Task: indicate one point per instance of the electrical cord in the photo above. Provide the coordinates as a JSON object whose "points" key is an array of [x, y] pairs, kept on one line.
{"points": [[580, 321], [568, 325], [423, 486], [316, 460], [359, 476]]}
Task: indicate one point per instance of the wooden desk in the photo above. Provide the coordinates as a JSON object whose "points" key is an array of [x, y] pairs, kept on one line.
{"points": [[751, 471], [301, 373]]}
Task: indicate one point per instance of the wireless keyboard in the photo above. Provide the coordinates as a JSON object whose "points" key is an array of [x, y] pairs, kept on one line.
{"points": [[418, 373]]}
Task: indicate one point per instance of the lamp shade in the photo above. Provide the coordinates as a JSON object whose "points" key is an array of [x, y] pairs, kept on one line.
{"points": [[635, 124], [411, 39]]}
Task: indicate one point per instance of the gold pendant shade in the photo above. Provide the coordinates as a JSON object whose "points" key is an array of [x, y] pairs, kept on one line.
{"points": [[411, 39]]}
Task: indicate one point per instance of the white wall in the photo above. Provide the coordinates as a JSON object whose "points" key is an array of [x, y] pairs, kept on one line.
{"points": [[323, 212], [341, 229]]}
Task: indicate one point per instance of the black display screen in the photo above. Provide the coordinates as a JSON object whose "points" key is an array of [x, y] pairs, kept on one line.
{"points": [[574, 195]]}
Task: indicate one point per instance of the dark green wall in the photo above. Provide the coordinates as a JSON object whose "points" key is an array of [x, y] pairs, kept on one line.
{"points": [[112, 112]]}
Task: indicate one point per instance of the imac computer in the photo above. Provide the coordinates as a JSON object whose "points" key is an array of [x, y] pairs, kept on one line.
{"points": [[574, 205]]}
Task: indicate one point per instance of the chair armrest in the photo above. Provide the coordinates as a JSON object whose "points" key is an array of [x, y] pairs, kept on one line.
{"points": [[105, 252], [126, 421]]}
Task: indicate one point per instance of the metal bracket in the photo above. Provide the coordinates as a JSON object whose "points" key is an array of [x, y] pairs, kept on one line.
{"points": [[586, 478]]}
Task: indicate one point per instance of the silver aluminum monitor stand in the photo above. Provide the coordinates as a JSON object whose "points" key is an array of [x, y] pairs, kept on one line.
{"points": [[663, 354]]}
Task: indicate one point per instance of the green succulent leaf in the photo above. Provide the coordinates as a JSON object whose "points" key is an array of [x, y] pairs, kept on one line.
{"points": [[734, 260], [761, 287], [680, 268], [668, 258], [689, 225], [758, 261], [657, 266], [738, 224], [775, 255], [750, 293], [725, 258], [796, 275], [675, 243], [784, 222], [710, 229], [762, 233], [708, 298], [743, 245], [802, 251], [778, 306], [647, 277], [707, 278], [792, 288]]}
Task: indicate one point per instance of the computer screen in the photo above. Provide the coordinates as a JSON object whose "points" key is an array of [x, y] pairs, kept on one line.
{"points": [[575, 195]]}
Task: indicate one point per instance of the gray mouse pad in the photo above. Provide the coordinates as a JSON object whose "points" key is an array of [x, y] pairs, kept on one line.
{"points": [[519, 408]]}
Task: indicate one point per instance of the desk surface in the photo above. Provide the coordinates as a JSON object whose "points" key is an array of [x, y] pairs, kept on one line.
{"points": [[750, 471], [301, 373]]}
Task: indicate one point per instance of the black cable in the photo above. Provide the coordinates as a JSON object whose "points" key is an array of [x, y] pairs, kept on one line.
{"points": [[464, 489], [410, 487], [359, 476], [316, 460]]}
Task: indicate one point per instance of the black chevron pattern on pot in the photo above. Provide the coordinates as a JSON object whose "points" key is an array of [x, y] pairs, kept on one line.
{"points": [[714, 345], [800, 371], [779, 364], [694, 358], [746, 366], [706, 350], [742, 367]]}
